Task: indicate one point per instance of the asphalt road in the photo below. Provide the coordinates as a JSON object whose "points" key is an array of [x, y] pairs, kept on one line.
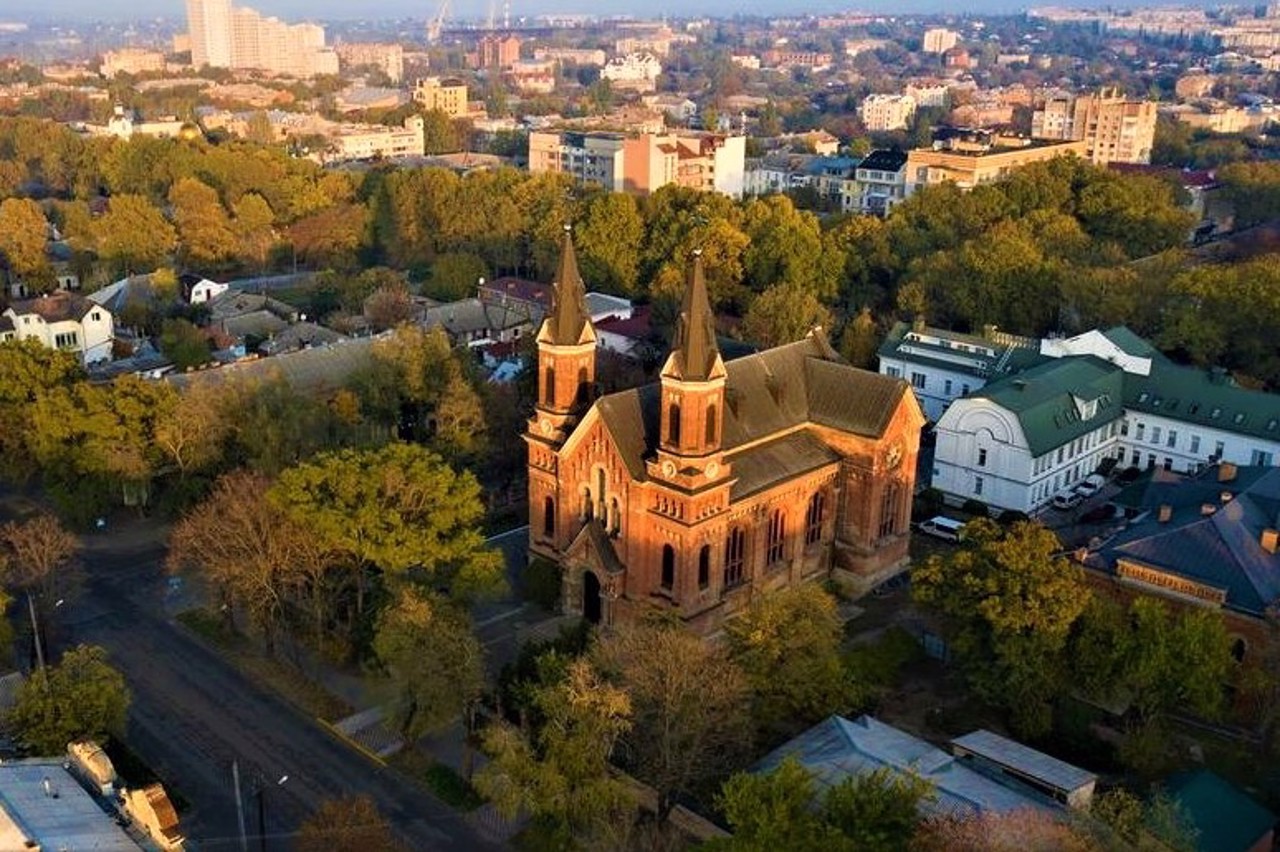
{"points": [[193, 714]]}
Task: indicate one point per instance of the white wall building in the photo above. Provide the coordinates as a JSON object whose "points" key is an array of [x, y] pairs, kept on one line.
{"points": [[879, 182], [939, 40], [62, 320], [1030, 432], [881, 113], [633, 71]]}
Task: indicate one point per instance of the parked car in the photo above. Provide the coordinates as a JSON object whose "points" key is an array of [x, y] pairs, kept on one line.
{"points": [[1067, 501], [1090, 486], [943, 527]]}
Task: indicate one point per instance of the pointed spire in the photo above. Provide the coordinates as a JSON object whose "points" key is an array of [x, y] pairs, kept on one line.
{"points": [[695, 349], [568, 320]]}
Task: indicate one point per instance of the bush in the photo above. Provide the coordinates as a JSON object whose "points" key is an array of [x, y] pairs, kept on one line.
{"points": [[878, 663], [927, 504], [542, 584], [976, 508], [1012, 516]]}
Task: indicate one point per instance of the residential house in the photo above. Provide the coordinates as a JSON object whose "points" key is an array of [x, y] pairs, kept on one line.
{"points": [[43, 806], [970, 157], [197, 290], [880, 182], [882, 113], [63, 320]]}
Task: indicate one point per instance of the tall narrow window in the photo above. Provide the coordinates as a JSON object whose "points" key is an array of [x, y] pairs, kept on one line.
{"points": [[735, 557], [550, 397], [813, 518], [588, 507], [615, 516], [668, 566], [600, 496], [889, 509], [548, 517], [711, 425], [776, 542], [704, 566], [673, 424], [584, 387]]}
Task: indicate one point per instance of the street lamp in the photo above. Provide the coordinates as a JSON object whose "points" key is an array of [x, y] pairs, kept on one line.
{"points": [[262, 810], [35, 627]]}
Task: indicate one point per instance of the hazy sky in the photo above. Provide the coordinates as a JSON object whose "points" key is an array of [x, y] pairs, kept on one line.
{"points": [[354, 9]]}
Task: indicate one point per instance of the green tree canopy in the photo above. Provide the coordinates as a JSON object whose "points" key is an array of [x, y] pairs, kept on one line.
{"points": [[81, 696], [24, 234], [430, 690], [1010, 604]]}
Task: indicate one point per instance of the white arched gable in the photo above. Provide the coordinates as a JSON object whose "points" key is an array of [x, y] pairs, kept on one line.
{"points": [[973, 416]]}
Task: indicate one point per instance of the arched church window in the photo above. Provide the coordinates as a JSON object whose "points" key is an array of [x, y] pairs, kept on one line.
{"points": [[668, 567]]}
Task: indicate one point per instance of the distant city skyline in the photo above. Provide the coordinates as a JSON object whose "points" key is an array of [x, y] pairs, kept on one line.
{"points": [[473, 9]]}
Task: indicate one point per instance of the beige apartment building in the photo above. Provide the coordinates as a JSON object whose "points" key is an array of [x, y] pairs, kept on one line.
{"points": [[939, 40], [641, 163], [388, 58], [448, 95], [1115, 129], [131, 60], [881, 113], [975, 158], [227, 36]]}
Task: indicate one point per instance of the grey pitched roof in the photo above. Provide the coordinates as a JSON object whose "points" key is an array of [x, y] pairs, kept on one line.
{"points": [[322, 368], [766, 394], [1221, 550], [986, 358], [775, 461], [837, 749]]}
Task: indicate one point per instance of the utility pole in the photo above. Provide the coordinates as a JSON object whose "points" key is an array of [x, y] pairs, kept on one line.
{"points": [[235, 778], [35, 632]]}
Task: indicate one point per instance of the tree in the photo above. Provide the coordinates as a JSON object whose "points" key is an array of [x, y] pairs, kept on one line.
{"points": [[24, 235], [440, 134], [454, 276], [395, 508], [783, 314], [434, 659], [37, 555], [249, 549], [788, 645], [1014, 831], [203, 227], [1011, 605], [348, 824], [389, 306], [689, 706], [192, 434], [184, 344], [608, 240], [563, 775], [860, 340], [81, 696], [253, 227], [873, 812], [331, 236], [132, 235]]}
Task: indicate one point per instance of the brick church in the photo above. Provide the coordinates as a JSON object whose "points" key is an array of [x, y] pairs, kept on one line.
{"points": [[722, 481]]}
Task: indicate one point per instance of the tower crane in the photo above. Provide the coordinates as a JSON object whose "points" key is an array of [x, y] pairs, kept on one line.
{"points": [[436, 24]]}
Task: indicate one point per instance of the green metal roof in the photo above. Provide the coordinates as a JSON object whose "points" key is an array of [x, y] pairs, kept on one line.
{"points": [[1046, 399], [1207, 398], [1227, 819]]}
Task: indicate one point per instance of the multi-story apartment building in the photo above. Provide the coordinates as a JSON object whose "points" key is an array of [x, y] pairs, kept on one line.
{"points": [[1019, 423], [1115, 129], [448, 95], [939, 40], [369, 141], [226, 36], [584, 57], [969, 158], [881, 113], [387, 58], [61, 320], [497, 52], [131, 60], [641, 163], [879, 183]]}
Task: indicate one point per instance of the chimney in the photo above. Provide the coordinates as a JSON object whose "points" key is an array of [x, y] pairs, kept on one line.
{"points": [[1225, 496], [989, 331], [1269, 540], [1226, 472], [917, 324], [1166, 512], [1207, 508]]}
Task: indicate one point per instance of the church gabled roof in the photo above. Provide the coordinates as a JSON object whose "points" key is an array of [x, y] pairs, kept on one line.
{"points": [[569, 322], [695, 354], [766, 394]]}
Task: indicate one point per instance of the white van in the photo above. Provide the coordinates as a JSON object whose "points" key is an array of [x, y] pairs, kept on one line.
{"points": [[943, 527]]}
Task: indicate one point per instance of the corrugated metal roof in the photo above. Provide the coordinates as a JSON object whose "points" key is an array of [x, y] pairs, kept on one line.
{"points": [[761, 466], [1025, 760]]}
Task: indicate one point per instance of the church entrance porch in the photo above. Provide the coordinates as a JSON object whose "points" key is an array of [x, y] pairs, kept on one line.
{"points": [[591, 603]]}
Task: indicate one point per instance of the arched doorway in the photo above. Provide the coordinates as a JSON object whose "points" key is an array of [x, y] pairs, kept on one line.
{"points": [[591, 605]]}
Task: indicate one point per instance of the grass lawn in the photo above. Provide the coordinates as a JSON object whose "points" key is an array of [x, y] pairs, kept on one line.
{"points": [[273, 674], [449, 786]]}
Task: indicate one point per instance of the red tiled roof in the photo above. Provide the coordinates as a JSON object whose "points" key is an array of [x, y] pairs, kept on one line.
{"points": [[637, 327], [516, 288], [1186, 177]]}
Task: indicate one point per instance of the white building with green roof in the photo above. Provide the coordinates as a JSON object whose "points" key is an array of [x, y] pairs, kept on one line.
{"points": [[1030, 434]]}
